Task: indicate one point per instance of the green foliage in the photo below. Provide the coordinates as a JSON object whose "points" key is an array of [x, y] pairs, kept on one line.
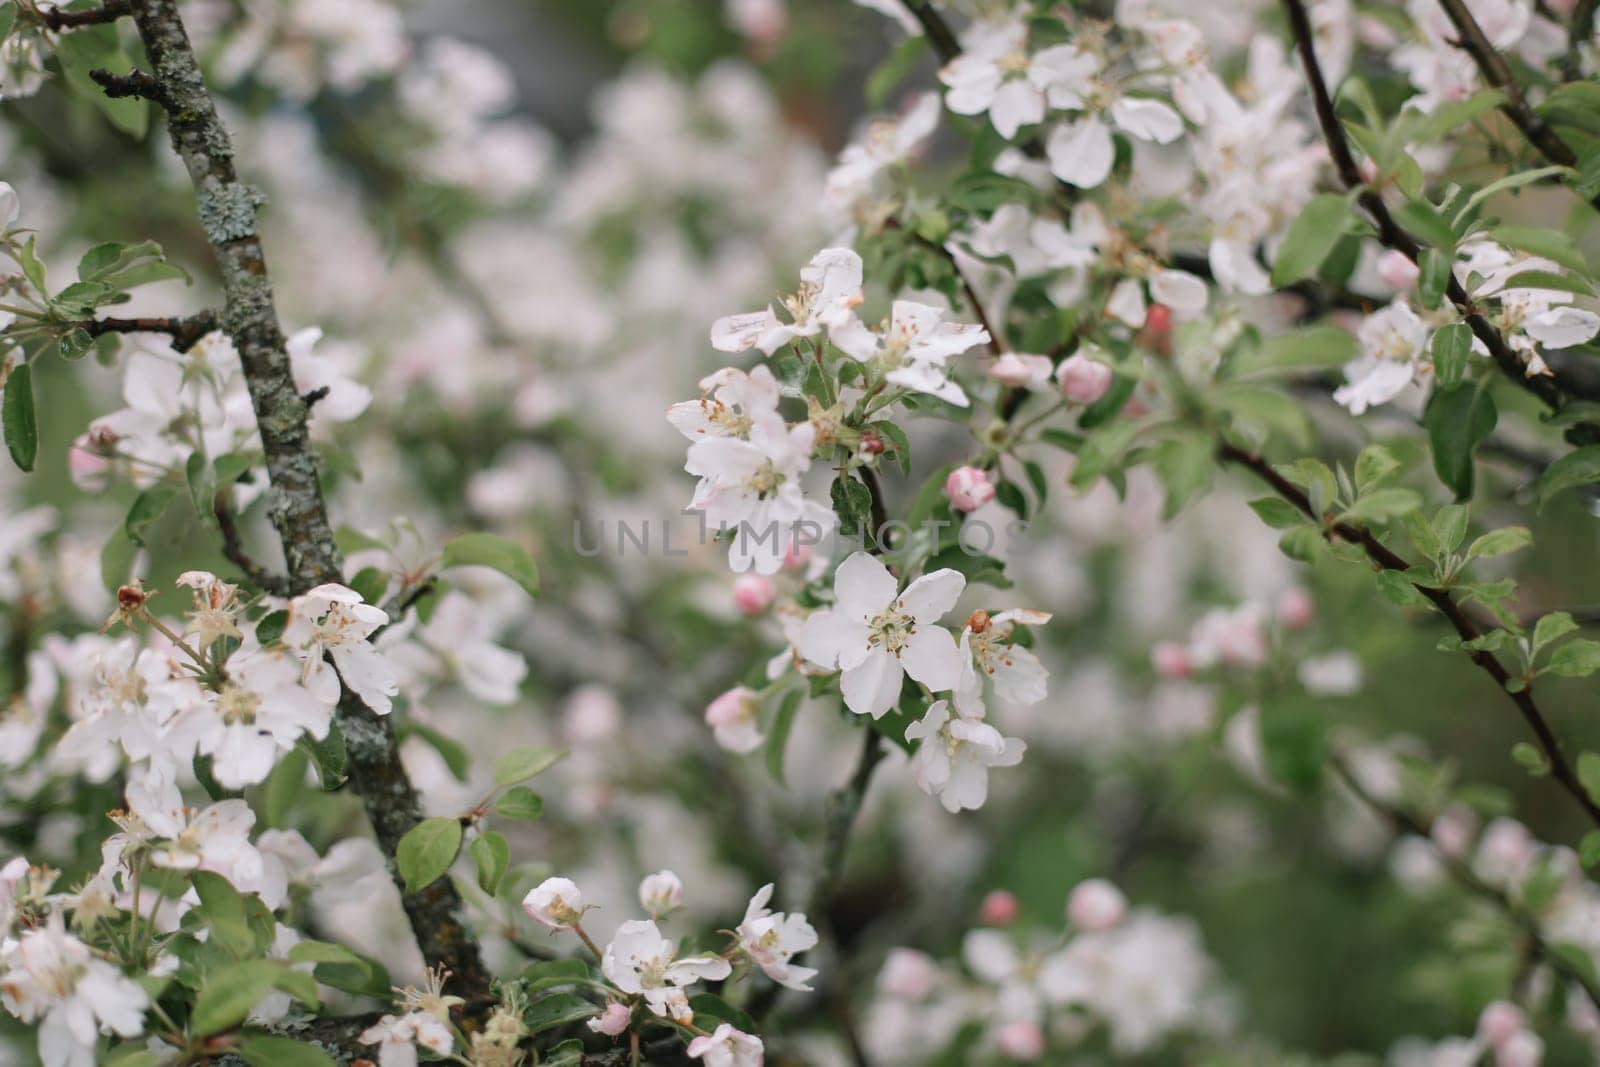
{"points": [[427, 851], [525, 762], [16, 414], [497, 553]]}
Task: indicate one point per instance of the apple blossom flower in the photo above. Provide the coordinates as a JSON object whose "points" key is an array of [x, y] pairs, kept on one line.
{"points": [[457, 642], [397, 1038], [875, 636], [753, 594], [10, 206], [1095, 904], [1296, 608], [1500, 1021], [996, 74], [331, 620], [1081, 152], [1014, 671], [727, 1047], [254, 717], [55, 981], [830, 290], [613, 1021], [732, 718], [908, 974], [1170, 659], [882, 145], [339, 398], [770, 938], [752, 488], [912, 348], [556, 903], [954, 755], [1235, 637], [1393, 355], [968, 488], [730, 400], [640, 961], [660, 893], [216, 607]]}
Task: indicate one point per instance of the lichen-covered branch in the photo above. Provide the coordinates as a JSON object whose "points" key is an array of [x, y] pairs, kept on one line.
{"points": [[227, 209], [185, 332]]}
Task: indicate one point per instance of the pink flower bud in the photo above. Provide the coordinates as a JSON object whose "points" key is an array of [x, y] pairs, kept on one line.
{"points": [[1171, 660], [1016, 370], [1083, 380], [611, 1022], [1296, 608], [1157, 333], [1397, 270], [1020, 1040], [732, 707], [753, 594], [1368, 171], [1522, 1049], [968, 488], [1500, 1021], [1096, 905], [796, 556], [86, 467], [999, 908]]}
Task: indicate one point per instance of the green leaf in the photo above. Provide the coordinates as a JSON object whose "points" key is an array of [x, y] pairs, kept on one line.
{"points": [[1184, 465], [1450, 526], [1292, 740], [852, 502], [1543, 279], [557, 1009], [519, 803], [714, 1006], [492, 855], [261, 1050], [1500, 542], [894, 69], [427, 850], [1589, 774], [1373, 465], [92, 47], [1425, 222], [229, 994], [523, 763], [147, 507], [1451, 349], [8, 18], [16, 413], [1578, 658], [1277, 512], [454, 754], [1383, 504], [1542, 241], [223, 909], [1293, 350], [547, 974], [1397, 588], [778, 735], [1589, 849], [1311, 236], [1435, 266], [1551, 626], [489, 550], [1458, 421], [1579, 467], [1530, 759]]}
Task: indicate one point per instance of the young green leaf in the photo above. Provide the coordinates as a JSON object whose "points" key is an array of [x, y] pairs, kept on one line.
{"points": [[1311, 236], [21, 427], [427, 850], [491, 854], [1458, 421], [489, 550], [523, 763]]}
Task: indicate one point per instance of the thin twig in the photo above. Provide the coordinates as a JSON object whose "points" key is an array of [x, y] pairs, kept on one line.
{"points": [[263, 578], [185, 332], [1404, 822], [110, 11], [937, 30], [1560, 769], [1497, 72]]}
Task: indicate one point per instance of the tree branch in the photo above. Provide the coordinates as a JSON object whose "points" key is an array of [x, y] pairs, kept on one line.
{"points": [[59, 20], [1498, 74], [936, 28], [185, 332], [1406, 823], [262, 578], [1552, 390], [1385, 559], [227, 209]]}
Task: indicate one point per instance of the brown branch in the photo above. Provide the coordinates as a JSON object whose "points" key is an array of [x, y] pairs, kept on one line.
{"points": [[1552, 390], [185, 332], [1580, 29], [1406, 823], [1498, 74], [59, 20], [227, 209], [264, 579], [937, 30], [1385, 559], [136, 83]]}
